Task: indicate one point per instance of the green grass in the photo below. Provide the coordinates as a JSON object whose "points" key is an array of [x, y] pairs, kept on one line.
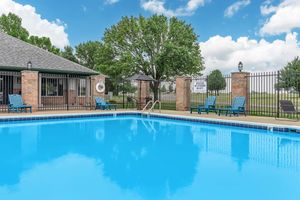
{"points": [[261, 104]]}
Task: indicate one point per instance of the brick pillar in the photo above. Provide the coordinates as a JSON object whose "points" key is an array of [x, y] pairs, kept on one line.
{"points": [[30, 88], [240, 86], [143, 92], [183, 93], [94, 93]]}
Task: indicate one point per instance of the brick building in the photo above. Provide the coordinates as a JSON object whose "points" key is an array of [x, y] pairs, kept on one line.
{"points": [[45, 81]]}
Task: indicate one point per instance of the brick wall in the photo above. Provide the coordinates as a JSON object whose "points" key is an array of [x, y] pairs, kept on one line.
{"points": [[30, 88], [183, 93]]}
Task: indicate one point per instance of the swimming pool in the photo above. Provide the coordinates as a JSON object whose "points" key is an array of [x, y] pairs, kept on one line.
{"points": [[133, 157]]}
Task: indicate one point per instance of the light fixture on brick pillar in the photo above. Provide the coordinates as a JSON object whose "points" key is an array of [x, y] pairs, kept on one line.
{"points": [[29, 65], [240, 66]]}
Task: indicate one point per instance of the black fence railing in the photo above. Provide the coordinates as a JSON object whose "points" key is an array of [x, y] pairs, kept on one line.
{"points": [[10, 83], [267, 89], [167, 95], [64, 92], [200, 91]]}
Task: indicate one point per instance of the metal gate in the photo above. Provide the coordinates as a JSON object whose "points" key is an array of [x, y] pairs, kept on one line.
{"points": [[64, 92], [10, 83]]}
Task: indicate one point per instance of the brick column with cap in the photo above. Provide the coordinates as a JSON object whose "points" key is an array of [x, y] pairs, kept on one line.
{"points": [[183, 93], [143, 93], [30, 88], [95, 79], [240, 86]]}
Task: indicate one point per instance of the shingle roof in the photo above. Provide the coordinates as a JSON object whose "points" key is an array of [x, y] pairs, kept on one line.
{"points": [[15, 54]]}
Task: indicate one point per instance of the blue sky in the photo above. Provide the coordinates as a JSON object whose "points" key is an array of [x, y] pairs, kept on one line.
{"points": [[261, 33], [87, 19]]}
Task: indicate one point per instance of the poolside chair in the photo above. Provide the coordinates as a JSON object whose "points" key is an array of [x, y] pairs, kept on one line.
{"points": [[208, 106], [288, 107], [16, 104], [237, 107], [103, 105]]}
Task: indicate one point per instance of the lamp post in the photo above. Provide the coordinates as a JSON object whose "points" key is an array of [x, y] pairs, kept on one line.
{"points": [[240, 66], [29, 65]]}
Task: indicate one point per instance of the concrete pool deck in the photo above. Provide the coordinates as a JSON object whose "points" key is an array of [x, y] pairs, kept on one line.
{"points": [[251, 119]]}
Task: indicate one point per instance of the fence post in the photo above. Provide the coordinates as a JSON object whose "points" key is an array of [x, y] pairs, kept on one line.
{"points": [[240, 86], [207, 87], [278, 93], [183, 93], [68, 79]]}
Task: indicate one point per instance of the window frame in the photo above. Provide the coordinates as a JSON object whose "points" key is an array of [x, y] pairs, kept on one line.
{"points": [[59, 87]]}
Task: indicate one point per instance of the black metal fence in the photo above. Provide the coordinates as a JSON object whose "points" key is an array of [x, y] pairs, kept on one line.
{"points": [[200, 90], [10, 83], [266, 89], [64, 92], [167, 95]]}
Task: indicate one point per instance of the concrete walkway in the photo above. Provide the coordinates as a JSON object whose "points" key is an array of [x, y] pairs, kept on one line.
{"points": [[255, 119]]}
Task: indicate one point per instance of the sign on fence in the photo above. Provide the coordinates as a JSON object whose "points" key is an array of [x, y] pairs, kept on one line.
{"points": [[199, 86]]}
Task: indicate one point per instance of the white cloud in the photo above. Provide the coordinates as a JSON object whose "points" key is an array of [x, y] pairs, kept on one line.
{"points": [[266, 8], [34, 23], [224, 53], [158, 7], [110, 2], [235, 7], [285, 17]]}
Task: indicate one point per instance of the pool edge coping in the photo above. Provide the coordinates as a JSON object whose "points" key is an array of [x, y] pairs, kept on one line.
{"points": [[229, 122]]}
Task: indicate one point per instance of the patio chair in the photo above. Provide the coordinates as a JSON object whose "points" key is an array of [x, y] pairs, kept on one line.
{"points": [[103, 105], [237, 107], [288, 107], [208, 106], [16, 104]]}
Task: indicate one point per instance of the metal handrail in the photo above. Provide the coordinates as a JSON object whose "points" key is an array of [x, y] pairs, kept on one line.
{"points": [[153, 105], [147, 105]]}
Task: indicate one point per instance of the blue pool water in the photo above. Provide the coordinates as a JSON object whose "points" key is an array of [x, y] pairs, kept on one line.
{"points": [[134, 158]]}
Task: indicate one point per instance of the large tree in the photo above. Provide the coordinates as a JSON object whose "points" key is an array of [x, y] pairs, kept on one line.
{"points": [[86, 53], [44, 43], [11, 24], [159, 47], [290, 76], [216, 81], [68, 53]]}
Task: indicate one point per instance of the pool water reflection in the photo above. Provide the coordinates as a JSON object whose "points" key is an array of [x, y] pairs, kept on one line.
{"points": [[138, 158]]}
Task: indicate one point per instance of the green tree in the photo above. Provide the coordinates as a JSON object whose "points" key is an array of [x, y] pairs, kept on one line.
{"points": [[68, 53], [87, 53], [44, 43], [157, 46], [11, 24], [216, 81], [290, 76]]}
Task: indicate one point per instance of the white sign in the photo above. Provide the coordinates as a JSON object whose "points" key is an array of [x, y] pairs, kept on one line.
{"points": [[199, 86]]}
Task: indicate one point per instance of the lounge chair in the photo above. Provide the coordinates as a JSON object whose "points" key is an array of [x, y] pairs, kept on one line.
{"points": [[208, 106], [237, 107], [103, 105], [16, 104], [288, 107]]}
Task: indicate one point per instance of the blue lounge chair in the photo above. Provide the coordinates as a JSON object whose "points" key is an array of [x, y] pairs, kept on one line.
{"points": [[103, 105], [16, 104], [208, 106], [237, 107]]}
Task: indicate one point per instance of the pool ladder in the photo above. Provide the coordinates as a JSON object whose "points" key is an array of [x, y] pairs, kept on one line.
{"points": [[152, 107]]}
